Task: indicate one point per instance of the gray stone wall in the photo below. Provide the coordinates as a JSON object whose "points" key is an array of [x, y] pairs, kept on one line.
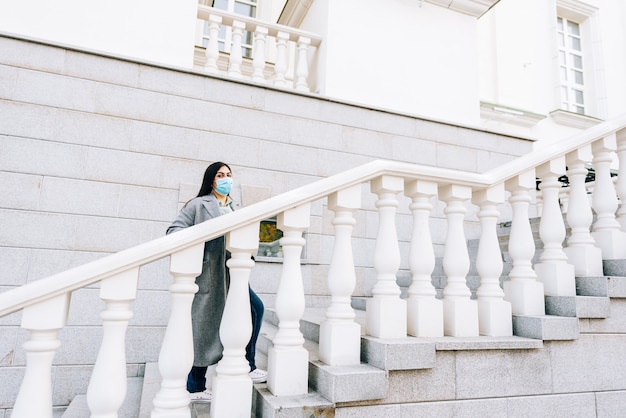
{"points": [[97, 154]]}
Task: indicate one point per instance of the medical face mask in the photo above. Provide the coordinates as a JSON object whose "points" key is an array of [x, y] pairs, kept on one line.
{"points": [[224, 186]]}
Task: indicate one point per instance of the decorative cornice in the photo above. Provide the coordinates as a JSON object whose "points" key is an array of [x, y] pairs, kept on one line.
{"points": [[490, 111], [574, 120], [575, 9], [474, 8], [294, 12]]}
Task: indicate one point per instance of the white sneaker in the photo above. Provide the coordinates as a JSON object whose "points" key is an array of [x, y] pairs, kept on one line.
{"points": [[258, 376], [204, 396]]}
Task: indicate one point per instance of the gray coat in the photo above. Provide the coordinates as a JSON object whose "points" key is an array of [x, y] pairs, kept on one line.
{"points": [[208, 303]]}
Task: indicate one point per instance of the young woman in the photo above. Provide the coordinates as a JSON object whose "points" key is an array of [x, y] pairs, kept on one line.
{"points": [[208, 304]]}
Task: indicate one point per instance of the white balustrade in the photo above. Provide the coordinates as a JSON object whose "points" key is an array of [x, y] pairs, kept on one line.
{"points": [[280, 68], [340, 335], [288, 360], [621, 178], [176, 356], [258, 63], [302, 67], [212, 52], [522, 289], [606, 230], [385, 311], [272, 43], [494, 313], [232, 387], [581, 250], [107, 387], [236, 57], [460, 313], [43, 320], [553, 270], [424, 310]]}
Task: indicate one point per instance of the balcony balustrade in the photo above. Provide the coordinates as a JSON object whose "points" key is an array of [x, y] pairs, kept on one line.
{"points": [[277, 55]]}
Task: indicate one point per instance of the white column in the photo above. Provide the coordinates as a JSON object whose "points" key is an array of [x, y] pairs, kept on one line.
{"points": [[460, 313], [522, 289], [386, 312], [581, 250], [234, 63], [494, 313], [260, 34], [302, 67], [340, 335], [176, 356], [553, 270], [606, 231], [621, 178], [43, 320], [280, 67], [107, 387], [424, 310], [212, 50], [288, 360], [232, 387]]}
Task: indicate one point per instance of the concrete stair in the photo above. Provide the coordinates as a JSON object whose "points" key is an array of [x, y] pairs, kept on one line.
{"points": [[334, 386], [130, 408], [404, 377]]}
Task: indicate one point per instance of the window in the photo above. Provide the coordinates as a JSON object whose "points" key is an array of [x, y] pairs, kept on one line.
{"points": [[242, 7], [571, 66]]}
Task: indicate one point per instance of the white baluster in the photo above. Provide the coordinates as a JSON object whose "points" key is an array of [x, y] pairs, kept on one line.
{"points": [[539, 203], [280, 67], [494, 313], [212, 52], [460, 313], [302, 68], [564, 199], [232, 387], [606, 230], [581, 250], [424, 310], [386, 312], [236, 58], [621, 178], [340, 335], [522, 289], [288, 360], [552, 269], [107, 387], [176, 356], [43, 320], [258, 63]]}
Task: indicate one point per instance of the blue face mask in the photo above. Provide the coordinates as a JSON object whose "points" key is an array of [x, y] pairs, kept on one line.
{"points": [[224, 186]]}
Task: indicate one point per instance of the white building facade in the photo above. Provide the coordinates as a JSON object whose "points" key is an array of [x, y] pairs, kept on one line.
{"points": [[535, 68]]}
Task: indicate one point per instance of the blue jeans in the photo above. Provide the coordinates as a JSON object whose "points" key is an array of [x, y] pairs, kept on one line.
{"points": [[196, 380]]}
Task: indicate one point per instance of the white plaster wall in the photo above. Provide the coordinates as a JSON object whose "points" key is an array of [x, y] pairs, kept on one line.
{"points": [[518, 44], [613, 33], [402, 57], [518, 63], [158, 31]]}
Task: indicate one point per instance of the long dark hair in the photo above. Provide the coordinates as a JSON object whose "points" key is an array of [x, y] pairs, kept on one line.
{"points": [[209, 178]]}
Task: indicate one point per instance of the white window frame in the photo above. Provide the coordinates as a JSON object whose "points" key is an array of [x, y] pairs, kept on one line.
{"points": [[593, 87], [571, 68]]}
